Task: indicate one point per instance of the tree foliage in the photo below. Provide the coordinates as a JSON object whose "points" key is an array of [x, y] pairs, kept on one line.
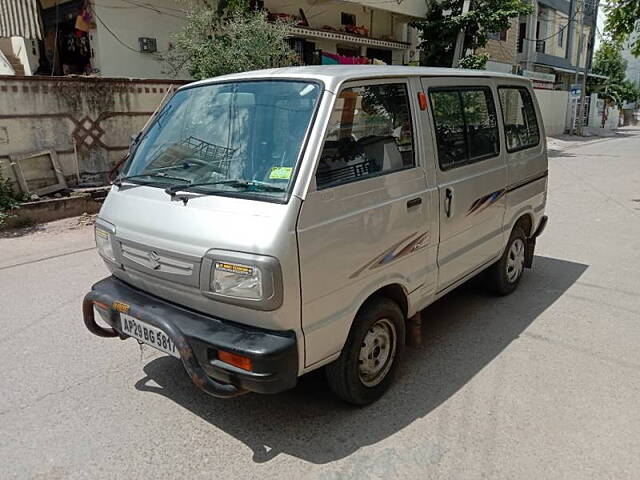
{"points": [[623, 19], [218, 41], [608, 61], [8, 200], [444, 20]]}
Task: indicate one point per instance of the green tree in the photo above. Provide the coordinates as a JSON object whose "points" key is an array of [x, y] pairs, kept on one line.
{"points": [[623, 19], [218, 41], [444, 20], [608, 61]]}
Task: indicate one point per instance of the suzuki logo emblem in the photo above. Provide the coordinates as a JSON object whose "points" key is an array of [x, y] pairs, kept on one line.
{"points": [[154, 260]]}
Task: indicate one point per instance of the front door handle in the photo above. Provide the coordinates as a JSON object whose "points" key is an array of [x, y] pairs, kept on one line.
{"points": [[448, 199], [414, 202]]}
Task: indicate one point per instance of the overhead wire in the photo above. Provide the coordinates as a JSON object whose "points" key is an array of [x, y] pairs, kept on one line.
{"points": [[572, 19], [114, 35]]}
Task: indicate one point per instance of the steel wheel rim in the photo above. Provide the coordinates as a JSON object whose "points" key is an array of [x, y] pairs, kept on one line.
{"points": [[515, 260], [377, 352]]}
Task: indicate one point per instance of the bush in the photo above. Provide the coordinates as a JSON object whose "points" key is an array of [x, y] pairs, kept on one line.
{"points": [[214, 43], [8, 200]]}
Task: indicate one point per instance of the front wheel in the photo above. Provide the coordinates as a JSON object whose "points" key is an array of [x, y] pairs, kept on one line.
{"points": [[369, 359], [504, 276]]}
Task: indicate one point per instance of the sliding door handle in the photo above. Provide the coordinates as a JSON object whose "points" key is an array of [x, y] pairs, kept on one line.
{"points": [[414, 202], [448, 199]]}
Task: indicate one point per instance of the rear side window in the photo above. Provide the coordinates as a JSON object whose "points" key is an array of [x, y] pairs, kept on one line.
{"points": [[466, 125], [369, 134], [519, 115]]}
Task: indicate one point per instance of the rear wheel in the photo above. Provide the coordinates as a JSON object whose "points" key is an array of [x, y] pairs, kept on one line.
{"points": [[369, 359], [504, 276]]}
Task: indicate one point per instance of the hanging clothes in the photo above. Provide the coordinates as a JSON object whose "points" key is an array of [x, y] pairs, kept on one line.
{"points": [[333, 59], [329, 58]]}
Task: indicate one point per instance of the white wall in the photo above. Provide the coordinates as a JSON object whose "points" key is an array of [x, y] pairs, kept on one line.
{"points": [[129, 22], [24, 50], [5, 66], [553, 105], [499, 67]]}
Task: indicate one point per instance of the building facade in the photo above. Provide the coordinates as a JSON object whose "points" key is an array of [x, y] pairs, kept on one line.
{"points": [[554, 40], [123, 38], [501, 49], [633, 62]]}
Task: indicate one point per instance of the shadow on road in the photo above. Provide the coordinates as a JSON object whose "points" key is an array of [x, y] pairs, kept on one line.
{"points": [[554, 152], [462, 333]]}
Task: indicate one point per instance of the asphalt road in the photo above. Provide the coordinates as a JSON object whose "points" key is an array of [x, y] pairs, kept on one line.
{"points": [[544, 383]]}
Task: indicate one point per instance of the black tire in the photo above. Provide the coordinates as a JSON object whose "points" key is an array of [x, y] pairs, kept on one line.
{"points": [[345, 375], [502, 279]]}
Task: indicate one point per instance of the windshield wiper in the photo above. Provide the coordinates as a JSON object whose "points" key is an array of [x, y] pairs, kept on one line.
{"points": [[234, 183], [118, 181]]}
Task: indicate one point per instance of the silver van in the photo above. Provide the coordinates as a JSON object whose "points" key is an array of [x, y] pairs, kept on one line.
{"points": [[270, 223]]}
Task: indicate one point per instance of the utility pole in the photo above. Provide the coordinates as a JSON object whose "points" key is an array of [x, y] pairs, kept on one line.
{"points": [[587, 64], [531, 38], [580, 6], [457, 53]]}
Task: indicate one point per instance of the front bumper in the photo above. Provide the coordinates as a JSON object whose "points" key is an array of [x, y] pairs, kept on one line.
{"points": [[198, 338]]}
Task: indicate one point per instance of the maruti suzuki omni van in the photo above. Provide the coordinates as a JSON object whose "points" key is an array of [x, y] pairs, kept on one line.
{"points": [[270, 223]]}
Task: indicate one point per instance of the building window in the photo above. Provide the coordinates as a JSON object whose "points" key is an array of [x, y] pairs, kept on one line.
{"points": [[498, 36], [561, 36], [347, 19], [522, 33], [519, 115], [466, 125], [370, 134]]}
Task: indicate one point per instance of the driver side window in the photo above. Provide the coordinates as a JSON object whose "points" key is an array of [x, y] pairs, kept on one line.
{"points": [[370, 134]]}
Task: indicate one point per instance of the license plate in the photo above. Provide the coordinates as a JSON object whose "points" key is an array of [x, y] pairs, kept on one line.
{"points": [[148, 334]]}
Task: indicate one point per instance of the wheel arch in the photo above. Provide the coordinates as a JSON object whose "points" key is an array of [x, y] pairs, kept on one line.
{"points": [[525, 221], [393, 291]]}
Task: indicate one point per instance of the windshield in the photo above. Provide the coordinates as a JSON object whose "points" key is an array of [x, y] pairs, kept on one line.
{"points": [[241, 138]]}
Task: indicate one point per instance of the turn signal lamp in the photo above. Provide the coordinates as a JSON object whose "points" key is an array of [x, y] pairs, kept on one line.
{"points": [[236, 360]]}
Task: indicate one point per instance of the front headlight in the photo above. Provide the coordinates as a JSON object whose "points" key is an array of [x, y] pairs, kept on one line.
{"points": [[104, 243], [245, 279], [237, 280]]}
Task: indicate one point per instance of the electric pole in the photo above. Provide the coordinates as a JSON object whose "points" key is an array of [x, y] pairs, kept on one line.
{"points": [[457, 53], [587, 64], [580, 8]]}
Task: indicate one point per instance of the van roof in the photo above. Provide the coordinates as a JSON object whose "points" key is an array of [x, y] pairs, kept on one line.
{"points": [[333, 75]]}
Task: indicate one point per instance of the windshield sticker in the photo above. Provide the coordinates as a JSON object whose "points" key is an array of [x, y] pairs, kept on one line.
{"points": [[234, 268], [280, 173]]}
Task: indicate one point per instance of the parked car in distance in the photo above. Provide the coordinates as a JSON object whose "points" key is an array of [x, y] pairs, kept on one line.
{"points": [[271, 223]]}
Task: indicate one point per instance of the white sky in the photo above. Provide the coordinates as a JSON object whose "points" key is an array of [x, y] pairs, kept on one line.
{"points": [[602, 17]]}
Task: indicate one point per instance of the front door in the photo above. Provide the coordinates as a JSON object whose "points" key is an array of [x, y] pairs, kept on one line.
{"points": [[471, 175], [365, 224]]}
